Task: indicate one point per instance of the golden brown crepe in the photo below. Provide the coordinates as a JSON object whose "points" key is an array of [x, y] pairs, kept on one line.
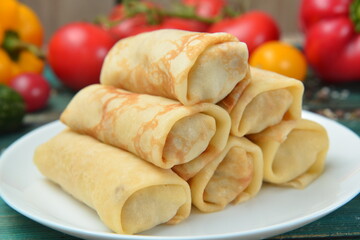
{"points": [[190, 67], [267, 100], [130, 195], [159, 130], [234, 176], [294, 152]]}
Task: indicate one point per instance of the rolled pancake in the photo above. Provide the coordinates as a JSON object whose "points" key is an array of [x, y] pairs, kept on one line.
{"points": [[130, 195], [269, 99], [294, 152], [234, 176], [159, 130], [190, 67]]}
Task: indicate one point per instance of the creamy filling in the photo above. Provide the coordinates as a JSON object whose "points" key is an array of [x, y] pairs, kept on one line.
{"points": [[216, 71], [188, 138]]}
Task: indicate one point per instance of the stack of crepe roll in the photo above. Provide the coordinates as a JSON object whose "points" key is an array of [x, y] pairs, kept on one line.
{"points": [[180, 119]]}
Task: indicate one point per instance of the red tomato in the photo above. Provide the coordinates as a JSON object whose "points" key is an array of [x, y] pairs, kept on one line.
{"points": [[206, 8], [126, 27], [313, 11], [254, 28], [332, 39], [76, 53], [184, 24], [34, 89], [332, 47]]}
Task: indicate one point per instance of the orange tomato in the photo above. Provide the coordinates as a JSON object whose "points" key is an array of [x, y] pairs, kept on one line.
{"points": [[5, 67], [29, 26], [280, 57]]}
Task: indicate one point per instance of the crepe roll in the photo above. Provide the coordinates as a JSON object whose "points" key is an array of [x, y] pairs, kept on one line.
{"points": [[130, 195], [159, 130], [268, 99], [294, 152], [235, 176], [190, 67]]}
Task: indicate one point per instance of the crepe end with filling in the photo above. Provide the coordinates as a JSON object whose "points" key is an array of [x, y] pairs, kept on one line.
{"points": [[130, 195], [294, 152], [268, 99], [235, 176], [159, 130]]}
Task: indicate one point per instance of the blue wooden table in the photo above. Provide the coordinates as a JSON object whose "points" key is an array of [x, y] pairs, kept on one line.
{"points": [[341, 103]]}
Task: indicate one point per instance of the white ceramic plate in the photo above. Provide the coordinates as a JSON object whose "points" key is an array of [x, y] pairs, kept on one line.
{"points": [[273, 211]]}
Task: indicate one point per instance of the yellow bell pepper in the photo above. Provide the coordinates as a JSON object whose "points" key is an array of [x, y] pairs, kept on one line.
{"points": [[6, 70], [9, 11], [21, 37]]}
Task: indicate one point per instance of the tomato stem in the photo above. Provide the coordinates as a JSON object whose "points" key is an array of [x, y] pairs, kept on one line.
{"points": [[355, 14], [14, 45], [134, 7], [104, 21]]}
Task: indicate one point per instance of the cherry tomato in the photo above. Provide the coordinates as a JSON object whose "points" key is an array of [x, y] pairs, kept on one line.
{"points": [[280, 57], [34, 89], [206, 8], [254, 28], [76, 53]]}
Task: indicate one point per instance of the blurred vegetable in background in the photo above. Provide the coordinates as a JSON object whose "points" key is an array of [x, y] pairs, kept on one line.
{"points": [[76, 53], [21, 37], [12, 109], [183, 24], [254, 28], [280, 57], [207, 8], [124, 19], [332, 41], [133, 17], [33, 88]]}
